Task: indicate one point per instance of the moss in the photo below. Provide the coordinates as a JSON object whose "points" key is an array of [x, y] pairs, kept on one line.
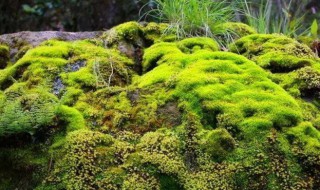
{"points": [[238, 30], [60, 51], [217, 143], [164, 51], [4, 55], [309, 77], [155, 32], [72, 117], [160, 142], [26, 112], [281, 62], [307, 40], [196, 117], [138, 34], [76, 61], [152, 56], [190, 45], [78, 168], [22, 51], [136, 181], [234, 79], [259, 44], [286, 59], [129, 31], [306, 134], [71, 96]]}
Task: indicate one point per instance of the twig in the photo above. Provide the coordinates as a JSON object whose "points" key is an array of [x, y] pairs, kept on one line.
{"points": [[109, 82]]}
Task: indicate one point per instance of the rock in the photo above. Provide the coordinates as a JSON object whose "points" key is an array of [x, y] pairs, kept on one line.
{"points": [[19, 40]]}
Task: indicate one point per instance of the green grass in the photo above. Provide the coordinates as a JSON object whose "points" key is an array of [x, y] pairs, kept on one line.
{"points": [[192, 17], [267, 17]]}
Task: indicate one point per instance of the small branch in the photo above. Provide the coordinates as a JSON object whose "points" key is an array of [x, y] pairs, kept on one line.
{"points": [[109, 82]]}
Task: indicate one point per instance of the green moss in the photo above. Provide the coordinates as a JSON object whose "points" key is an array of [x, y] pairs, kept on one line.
{"points": [[234, 80], [163, 52], [217, 143], [160, 142], [155, 32], [291, 64], [306, 134], [61, 51], [138, 34], [136, 181], [22, 51], [71, 96], [78, 63], [309, 78], [25, 111], [238, 30], [72, 117], [307, 40], [77, 168], [282, 62], [259, 44], [194, 118], [152, 56], [130, 31], [4, 55], [190, 45]]}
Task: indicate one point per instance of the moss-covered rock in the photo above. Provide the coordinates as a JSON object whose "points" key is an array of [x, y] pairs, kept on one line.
{"points": [[181, 115]]}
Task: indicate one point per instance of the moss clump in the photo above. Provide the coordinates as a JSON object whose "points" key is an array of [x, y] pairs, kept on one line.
{"points": [[4, 56], [282, 56], [191, 45], [166, 51], [154, 32], [78, 167], [129, 31], [255, 45], [217, 143], [25, 111], [137, 34], [306, 135], [152, 56], [236, 81], [282, 62], [238, 30], [23, 50], [310, 78]]}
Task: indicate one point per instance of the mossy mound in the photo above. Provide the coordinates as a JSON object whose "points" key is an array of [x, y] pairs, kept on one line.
{"points": [[285, 58], [175, 115], [259, 44], [238, 30], [275, 52]]}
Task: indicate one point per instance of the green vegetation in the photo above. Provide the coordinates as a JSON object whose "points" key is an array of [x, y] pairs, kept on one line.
{"points": [[193, 18], [139, 109], [268, 17]]}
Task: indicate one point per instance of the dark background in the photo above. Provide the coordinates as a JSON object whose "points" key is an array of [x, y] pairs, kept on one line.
{"points": [[89, 15], [66, 15]]}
